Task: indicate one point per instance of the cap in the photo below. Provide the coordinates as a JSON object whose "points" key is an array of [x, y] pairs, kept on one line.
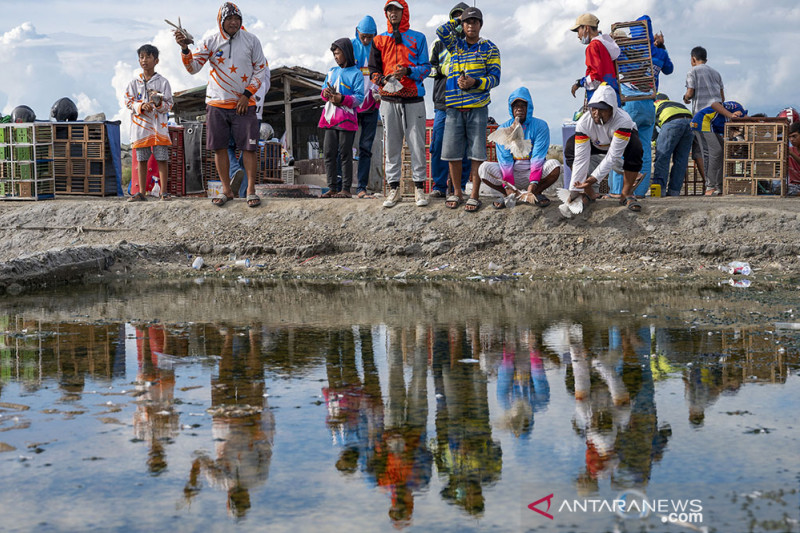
{"points": [[472, 13], [587, 19], [599, 105], [395, 4]]}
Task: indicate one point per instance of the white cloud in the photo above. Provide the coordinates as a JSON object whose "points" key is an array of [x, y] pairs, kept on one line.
{"points": [[24, 32], [86, 104], [305, 19]]}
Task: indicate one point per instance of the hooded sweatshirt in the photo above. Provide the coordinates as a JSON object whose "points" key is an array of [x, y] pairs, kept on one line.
{"points": [[601, 52], [411, 52], [611, 137], [149, 129], [480, 61], [440, 63], [349, 82], [536, 130], [238, 65], [367, 26]]}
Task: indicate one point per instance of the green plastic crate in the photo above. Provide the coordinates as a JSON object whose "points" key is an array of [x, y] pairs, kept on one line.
{"points": [[5, 153], [23, 153], [2, 188], [23, 134], [5, 135]]}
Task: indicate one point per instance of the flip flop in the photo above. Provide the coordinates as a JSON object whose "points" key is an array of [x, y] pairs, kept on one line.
{"points": [[343, 194], [221, 200], [474, 203], [253, 200], [541, 200], [364, 195], [499, 204], [236, 181], [328, 194], [138, 197], [631, 203], [452, 202], [166, 197]]}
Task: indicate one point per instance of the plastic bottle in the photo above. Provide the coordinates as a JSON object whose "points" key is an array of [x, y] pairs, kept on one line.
{"points": [[197, 264], [738, 267]]}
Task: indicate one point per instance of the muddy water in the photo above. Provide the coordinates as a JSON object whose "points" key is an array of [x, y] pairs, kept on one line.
{"points": [[376, 407]]}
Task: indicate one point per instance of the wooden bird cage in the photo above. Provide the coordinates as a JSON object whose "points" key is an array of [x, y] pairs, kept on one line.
{"points": [[635, 62]]}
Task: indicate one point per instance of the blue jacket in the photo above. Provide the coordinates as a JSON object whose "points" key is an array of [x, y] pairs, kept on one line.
{"points": [[361, 53], [536, 130], [661, 60]]}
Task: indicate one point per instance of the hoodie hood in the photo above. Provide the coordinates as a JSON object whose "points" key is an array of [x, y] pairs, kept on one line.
{"points": [[605, 93], [461, 6], [610, 44], [521, 94], [367, 25], [226, 10], [346, 46], [405, 25]]}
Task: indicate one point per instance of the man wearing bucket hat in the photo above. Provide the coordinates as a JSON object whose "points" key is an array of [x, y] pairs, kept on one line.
{"points": [[601, 52]]}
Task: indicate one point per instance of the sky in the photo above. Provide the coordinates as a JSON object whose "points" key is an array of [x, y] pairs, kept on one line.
{"points": [[87, 50]]}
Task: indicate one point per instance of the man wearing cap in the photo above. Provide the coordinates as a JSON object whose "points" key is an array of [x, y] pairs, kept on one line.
{"points": [[440, 68], [674, 143], [398, 65], [605, 138], [474, 71], [601, 52]]}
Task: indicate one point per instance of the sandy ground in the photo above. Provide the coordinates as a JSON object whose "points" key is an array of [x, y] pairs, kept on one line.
{"points": [[67, 239]]}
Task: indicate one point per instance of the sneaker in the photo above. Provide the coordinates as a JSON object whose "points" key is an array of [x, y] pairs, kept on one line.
{"points": [[436, 193], [420, 197], [565, 212], [393, 198]]}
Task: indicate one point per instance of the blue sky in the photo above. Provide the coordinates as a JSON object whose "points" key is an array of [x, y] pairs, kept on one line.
{"points": [[86, 51]]}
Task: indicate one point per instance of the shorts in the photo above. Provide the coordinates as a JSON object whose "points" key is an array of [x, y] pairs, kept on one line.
{"points": [[160, 152], [465, 128], [222, 124]]}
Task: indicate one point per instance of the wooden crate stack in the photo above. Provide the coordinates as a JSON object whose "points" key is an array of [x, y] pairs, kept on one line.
{"points": [[82, 159], [26, 161], [635, 62], [755, 151], [268, 164]]}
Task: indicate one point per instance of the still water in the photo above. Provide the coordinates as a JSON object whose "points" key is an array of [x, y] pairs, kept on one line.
{"points": [[376, 407]]}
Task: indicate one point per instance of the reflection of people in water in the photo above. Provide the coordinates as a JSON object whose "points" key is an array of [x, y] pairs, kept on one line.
{"points": [[522, 387], [403, 462], [155, 420], [355, 408], [465, 451], [615, 411], [243, 426]]}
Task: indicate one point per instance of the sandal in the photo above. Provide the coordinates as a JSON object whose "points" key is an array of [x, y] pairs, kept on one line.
{"points": [[328, 194], [364, 195], [474, 204], [631, 203], [138, 197], [253, 200], [166, 197], [221, 200], [453, 202], [343, 194], [499, 204], [541, 200]]}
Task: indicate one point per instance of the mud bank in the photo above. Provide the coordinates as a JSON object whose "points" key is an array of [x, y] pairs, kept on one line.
{"points": [[67, 239]]}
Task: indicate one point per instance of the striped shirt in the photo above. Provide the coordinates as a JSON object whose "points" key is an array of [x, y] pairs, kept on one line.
{"points": [[707, 85], [480, 61]]}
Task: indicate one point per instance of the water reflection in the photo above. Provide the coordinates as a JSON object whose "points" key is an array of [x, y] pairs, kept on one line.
{"points": [[431, 418]]}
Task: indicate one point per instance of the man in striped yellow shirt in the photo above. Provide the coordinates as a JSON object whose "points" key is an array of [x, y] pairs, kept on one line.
{"points": [[474, 71]]}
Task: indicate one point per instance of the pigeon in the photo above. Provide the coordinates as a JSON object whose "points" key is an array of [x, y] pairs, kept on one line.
{"points": [[572, 199], [513, 138]]}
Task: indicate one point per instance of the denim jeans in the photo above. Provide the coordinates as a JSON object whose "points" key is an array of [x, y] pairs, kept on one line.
{"points": [[236, 164], [674, 143], [367, 124], [465, 129], [643, 113], [440, 170]]}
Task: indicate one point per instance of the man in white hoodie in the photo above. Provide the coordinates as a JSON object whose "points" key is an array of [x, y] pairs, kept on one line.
{"points": [[237, 71], [605, 138]]}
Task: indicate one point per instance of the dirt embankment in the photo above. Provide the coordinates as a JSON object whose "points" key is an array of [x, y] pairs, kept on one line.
{"points": [[66, 239]]}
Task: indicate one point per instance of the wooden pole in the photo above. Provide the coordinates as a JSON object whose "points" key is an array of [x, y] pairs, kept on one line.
{"points": [[287, 110]]}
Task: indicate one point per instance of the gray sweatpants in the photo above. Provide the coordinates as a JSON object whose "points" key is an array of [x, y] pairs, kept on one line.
{"points": [[403, 121], [711, 145]]}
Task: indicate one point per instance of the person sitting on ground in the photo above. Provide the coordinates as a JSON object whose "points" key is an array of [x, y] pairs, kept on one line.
{"points": [[709, 125], [237, 71], [794, 159], [474, 71], [149, 97], [605, 138], [343, 92], [601, 52], [674, 144], [515, 172]]}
